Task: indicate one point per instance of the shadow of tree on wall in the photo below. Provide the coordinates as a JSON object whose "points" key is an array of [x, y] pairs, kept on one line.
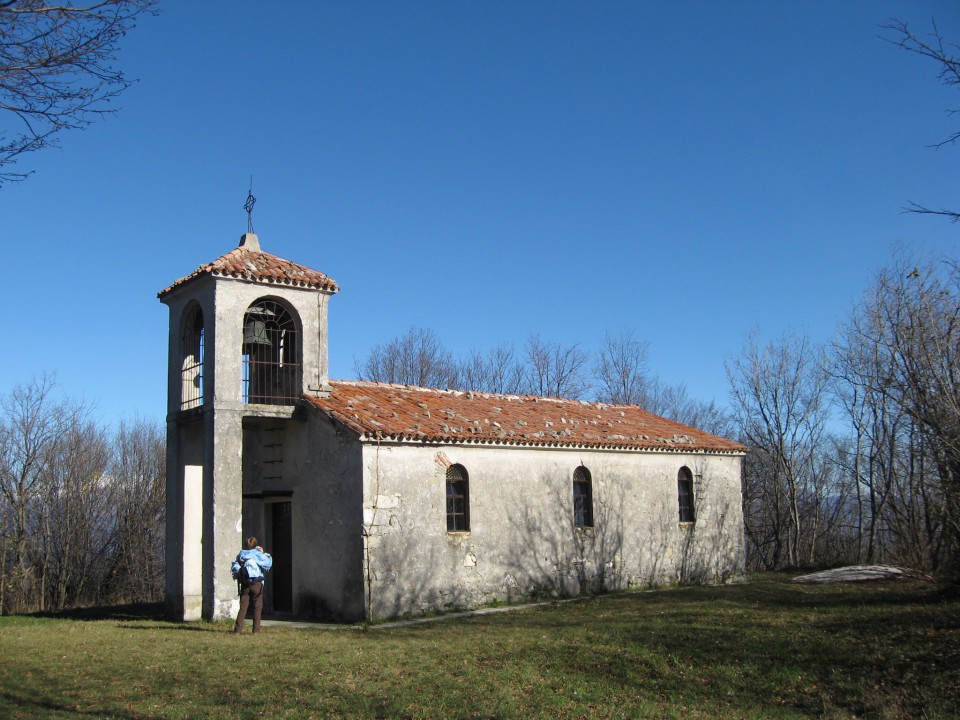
{"points": [[549, 556], [414, 568], [711, 548], [537, 553], [530, 548]]}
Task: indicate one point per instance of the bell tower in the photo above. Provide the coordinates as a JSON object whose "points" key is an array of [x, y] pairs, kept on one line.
{"points": [[247, 342]]}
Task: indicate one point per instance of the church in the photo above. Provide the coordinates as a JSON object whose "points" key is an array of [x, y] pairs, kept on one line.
{"points": [[382, 501]]}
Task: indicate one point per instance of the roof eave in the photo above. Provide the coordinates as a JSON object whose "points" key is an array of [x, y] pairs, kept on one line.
{"points": [[330, 287], [372, 436]]}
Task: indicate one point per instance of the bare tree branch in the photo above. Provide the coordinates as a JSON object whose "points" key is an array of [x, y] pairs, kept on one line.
{"points": [[57, 69], [921, 210], [945, 55]]}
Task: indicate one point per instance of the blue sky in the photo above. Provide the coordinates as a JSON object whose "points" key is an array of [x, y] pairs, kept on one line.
{"points": [[683, 171]]}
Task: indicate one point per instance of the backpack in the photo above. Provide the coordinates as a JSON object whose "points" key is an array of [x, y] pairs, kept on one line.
{"points": [[243, 577]]}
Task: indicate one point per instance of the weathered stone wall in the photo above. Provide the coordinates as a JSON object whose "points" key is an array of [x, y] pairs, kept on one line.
{"points": [[522, 541]]}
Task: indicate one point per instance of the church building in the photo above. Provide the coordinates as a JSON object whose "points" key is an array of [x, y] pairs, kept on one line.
{"points": [[379, 501]]}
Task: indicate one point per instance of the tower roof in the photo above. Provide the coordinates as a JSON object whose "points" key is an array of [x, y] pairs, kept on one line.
{"points": [[251, 264]]}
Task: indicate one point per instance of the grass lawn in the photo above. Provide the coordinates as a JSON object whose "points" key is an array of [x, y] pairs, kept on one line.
{"points": [[765, 649]]}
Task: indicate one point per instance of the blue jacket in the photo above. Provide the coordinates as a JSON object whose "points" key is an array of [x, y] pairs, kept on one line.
{"points": [[257, 562]]}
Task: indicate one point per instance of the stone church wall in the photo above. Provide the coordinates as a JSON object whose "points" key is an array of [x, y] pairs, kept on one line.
{"points": [[522, 542]]}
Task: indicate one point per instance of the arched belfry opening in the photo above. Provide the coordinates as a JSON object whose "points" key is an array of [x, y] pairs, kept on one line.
{"points": [[191, 372], [272, 354]]}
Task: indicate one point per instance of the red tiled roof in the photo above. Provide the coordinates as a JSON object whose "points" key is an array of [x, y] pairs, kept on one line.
{"points": [[256, 266], [402, 412]]}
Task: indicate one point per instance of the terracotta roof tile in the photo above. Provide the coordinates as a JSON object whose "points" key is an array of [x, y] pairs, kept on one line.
{"points": [[256, 266], [403, 412]]}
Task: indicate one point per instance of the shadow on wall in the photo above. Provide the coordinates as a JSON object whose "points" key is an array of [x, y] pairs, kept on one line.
{"points": [[409, 579], [549, 556], [536, 551], [539, 553], [711, 548]]}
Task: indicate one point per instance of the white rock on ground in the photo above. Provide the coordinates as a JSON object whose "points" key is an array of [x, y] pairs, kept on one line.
{"points": [[860, 573]]}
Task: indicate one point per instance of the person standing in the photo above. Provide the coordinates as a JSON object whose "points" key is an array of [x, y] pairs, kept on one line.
{"points": [[248, 570]]}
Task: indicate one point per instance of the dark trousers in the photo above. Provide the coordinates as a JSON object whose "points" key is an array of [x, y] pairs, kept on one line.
{"points": [[252, 594]]}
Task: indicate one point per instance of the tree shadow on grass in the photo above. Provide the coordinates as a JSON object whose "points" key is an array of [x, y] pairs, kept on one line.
{"points": [[39, 708], [203, 627], [133, 611]]}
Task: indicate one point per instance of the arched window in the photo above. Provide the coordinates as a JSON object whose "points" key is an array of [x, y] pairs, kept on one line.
{"points": [[191, 368], [271, 355], [685, 494], [582, 498], [458, 499]]}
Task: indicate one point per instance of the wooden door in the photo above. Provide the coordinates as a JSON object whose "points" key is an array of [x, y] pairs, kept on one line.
{"points": [[281, 547]]}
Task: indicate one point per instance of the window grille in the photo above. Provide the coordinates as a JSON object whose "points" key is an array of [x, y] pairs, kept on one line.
{"points": [[685, 495], [458, 500], [191, 373], [271, 355], [582, 498]]}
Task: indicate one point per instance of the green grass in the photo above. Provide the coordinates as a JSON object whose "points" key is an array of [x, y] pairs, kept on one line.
{"points": [[766, 649]]}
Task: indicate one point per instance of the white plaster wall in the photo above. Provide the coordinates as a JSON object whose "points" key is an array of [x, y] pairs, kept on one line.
{"points": [[522, 542]]}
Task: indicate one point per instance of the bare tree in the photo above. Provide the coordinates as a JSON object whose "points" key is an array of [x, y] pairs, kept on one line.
{"points": [[896, 370], [138, 480], [57, 68], [81, 516], [555, 370], [496, 371], [943, 53], [28, 427], [859, 372], [621, 370], [622, 376], [917, 315], [779, 396], [56, 501], [74, 521], [416, 358], [676, 403]]}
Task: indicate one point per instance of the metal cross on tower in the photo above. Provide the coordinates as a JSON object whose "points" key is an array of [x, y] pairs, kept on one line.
{"points": [[248, 206]]}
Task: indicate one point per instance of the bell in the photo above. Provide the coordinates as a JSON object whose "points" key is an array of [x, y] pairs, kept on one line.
{"points": [[255, 333]]}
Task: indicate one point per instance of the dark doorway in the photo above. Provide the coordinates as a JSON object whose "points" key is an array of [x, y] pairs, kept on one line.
{"points": [[281, 547]]}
